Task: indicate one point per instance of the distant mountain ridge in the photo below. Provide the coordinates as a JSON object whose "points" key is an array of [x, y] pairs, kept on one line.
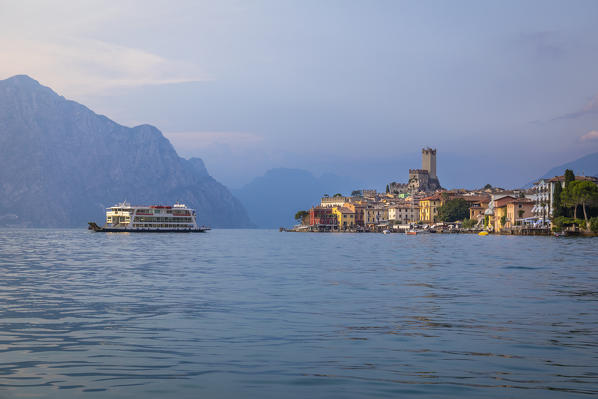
{"points": [[273, 199], [61, 165], [586, 165]]}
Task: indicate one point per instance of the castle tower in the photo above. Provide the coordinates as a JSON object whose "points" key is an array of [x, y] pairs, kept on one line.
{"points": [[429, 161]]}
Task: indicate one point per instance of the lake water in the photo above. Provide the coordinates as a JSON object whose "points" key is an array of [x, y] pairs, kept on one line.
{"points": [[263, 314]]}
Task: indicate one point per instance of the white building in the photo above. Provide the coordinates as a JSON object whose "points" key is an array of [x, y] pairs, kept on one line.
{"points": [[329, 202], [403, 213], [543, 194]]}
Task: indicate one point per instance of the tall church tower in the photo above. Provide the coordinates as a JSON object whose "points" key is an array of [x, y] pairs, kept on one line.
{"points": [[429, 161]]}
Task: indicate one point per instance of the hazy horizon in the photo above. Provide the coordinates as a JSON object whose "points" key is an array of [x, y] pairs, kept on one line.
{"points": [[505, 91]]}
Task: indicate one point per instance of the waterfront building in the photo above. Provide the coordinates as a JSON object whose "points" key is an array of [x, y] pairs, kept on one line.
{"points": [[543, 194], [519, 209], [428, 208], [322, 218], [477, 209], [477, 205], [498, 219], [374, 215], [476, 212], [403, 213], [345, 217], [358, 209], [509, 211]]}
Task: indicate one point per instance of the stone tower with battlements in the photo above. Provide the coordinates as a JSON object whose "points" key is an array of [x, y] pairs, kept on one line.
{"points": [[429, 161], [422, 180]]}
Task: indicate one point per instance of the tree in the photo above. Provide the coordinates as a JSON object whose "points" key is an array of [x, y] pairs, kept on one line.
{"points": [[569, 177], [568, 200], [584, 193], [557, 209], [337, 195], [300, 215], [521, 212], [469, 223], [543, 205], [453, 210], [387, 189], [487, 186]]}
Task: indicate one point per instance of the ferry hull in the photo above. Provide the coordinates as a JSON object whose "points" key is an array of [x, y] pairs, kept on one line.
{"points": [[94, 227]]}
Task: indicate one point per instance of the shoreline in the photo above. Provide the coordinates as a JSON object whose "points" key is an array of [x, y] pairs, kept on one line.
{"points": [[522, 232]]}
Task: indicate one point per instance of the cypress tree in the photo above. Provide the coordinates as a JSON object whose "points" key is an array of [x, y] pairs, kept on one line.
{"points": [[557, 209], [569, 177]]}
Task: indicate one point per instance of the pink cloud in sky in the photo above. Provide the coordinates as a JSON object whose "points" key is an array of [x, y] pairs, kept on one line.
{"points": [[590, 136]]}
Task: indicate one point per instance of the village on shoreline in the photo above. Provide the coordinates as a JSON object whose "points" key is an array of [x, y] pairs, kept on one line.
{"points": [[561, 205]]}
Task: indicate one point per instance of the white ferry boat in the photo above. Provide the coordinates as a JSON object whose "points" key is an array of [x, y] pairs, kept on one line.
{"points": [[155, 218]]}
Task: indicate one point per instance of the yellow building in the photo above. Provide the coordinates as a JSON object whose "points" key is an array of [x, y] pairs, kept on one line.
{"points": [[499, 215], [508, 211], [500, 218], [345, 217], [357, 209], [428, 208]]}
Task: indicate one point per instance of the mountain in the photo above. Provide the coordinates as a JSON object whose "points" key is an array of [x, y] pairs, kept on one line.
{"points": [[586, 165], [273, 199], [62, 165]]}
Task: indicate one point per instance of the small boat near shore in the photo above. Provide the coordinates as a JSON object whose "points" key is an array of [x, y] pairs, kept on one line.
{"points": [[124, 218]]}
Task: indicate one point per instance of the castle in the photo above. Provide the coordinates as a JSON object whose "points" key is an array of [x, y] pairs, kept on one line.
{"points": [[420, 180]]}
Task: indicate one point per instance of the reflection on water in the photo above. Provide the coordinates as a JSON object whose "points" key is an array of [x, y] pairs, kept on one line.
{"points": [[267, 314]]}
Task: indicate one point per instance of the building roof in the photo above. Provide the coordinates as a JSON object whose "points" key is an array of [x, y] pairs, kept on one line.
{"points": [[434, 197], [562, 178], [321, 208], [499, 203], [476, 198], [523, 201]]}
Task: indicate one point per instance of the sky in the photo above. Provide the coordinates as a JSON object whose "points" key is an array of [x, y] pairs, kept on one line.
{"points": [[504, 90]]}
